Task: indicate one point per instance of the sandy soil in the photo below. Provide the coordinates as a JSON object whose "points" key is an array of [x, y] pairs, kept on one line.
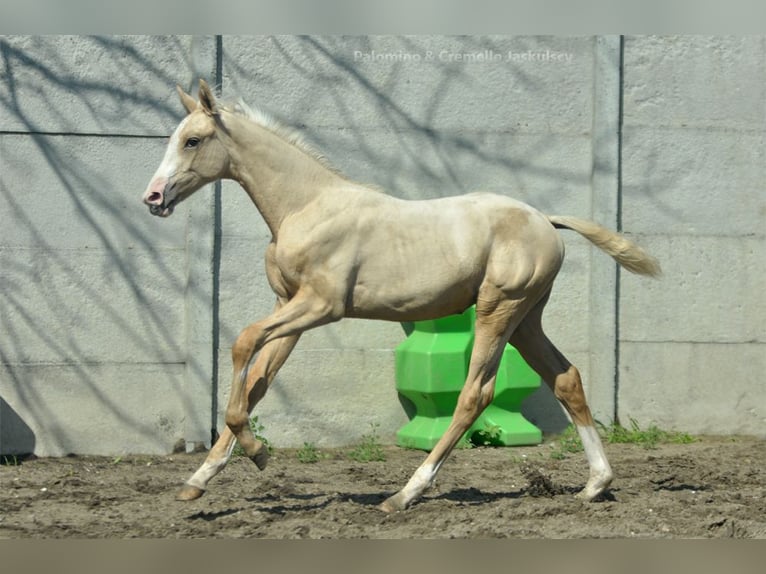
{"points": [[713, 488]]}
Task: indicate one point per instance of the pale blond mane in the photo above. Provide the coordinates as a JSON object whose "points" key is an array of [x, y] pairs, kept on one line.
{"points": [[288, 134]]}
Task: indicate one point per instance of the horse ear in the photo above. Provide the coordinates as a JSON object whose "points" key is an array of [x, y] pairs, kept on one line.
{"points": [[207, 99], [188, 102]]}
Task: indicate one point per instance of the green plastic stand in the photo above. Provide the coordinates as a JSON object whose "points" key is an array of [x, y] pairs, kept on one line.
{"points": [[431, 368]]}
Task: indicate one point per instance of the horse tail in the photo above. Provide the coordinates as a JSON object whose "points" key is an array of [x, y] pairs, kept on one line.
{"points": [[625, 252]]}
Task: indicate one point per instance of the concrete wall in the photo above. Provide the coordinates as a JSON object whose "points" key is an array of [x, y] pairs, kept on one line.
{"points": [[694, 191], [116, 326], [98, 349]]}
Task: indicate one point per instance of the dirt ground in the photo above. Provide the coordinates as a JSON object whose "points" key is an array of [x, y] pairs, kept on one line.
{"points": [[712, 488]]}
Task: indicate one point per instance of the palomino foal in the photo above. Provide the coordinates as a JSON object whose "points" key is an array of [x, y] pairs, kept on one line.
{"points": [[341, 249]]}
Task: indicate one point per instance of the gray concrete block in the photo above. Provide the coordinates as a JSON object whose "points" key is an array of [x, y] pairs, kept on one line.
{"points": [[241, 221], [82, 193], [566, 318], [99, 298], [704, 388], [694, 80], [90, 306], [710, 292], [104, 408], [693, 193], [99, 84], [694, 181], [327, 81], [552, 173]]}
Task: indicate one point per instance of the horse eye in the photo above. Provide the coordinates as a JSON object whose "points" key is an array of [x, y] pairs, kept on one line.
{"points": [[191, 143]]}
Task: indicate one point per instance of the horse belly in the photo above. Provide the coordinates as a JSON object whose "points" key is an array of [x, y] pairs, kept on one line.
{"points": [[424, 290]]}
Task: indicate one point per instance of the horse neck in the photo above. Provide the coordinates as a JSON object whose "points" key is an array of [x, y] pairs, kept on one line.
{"points": [[279, 177]]}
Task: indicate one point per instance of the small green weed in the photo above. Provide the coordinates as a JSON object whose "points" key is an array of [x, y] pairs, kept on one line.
{"points": [[9, 460], [464, 443], [369, 448], [257, 429], [488, 436], [309, 453]]}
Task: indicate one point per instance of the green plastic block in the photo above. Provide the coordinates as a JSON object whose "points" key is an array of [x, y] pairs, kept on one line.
{"points": [[431, 368]]}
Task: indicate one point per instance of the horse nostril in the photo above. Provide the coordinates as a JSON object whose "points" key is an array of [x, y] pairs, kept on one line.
{"points": [[154, 198]]}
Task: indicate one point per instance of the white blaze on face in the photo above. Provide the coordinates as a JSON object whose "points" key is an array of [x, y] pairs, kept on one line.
{"points": [[154, 194]]}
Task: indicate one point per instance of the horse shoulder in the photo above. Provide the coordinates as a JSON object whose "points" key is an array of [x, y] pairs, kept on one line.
{"points": [[274, 275], [317, 245]]}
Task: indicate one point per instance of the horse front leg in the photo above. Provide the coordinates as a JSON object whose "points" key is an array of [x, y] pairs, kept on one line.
{"points": [[304, 311], [476, 395], [260, 376], [474, 398]]}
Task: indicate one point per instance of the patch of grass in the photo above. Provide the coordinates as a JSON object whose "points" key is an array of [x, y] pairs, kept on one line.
{"points": [[369, 448], [648, 438], [569, 441], [309, 453], [257, 429]]}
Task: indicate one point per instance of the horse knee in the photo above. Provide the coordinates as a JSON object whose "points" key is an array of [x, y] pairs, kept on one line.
{"points": [[475, 398], [468, 400]]}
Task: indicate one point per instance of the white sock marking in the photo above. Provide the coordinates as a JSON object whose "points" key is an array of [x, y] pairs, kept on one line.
{"points": [[594, 451]]}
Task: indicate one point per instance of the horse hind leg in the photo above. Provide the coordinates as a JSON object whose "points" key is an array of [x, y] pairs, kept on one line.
{"points": [[259, 378], [564, 379]]}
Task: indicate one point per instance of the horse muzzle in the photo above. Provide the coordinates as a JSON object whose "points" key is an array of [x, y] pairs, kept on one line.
{"points": [[162, 210], [159, 197]]}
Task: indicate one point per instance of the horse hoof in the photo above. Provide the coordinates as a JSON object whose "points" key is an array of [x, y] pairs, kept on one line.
{"points": [[394, 503], [189, 492], [594, 489], [588, 496], [261, 459]]}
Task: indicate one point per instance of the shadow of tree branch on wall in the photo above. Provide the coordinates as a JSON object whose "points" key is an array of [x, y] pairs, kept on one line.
{"points": [[443, 145], [92, 286]]}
